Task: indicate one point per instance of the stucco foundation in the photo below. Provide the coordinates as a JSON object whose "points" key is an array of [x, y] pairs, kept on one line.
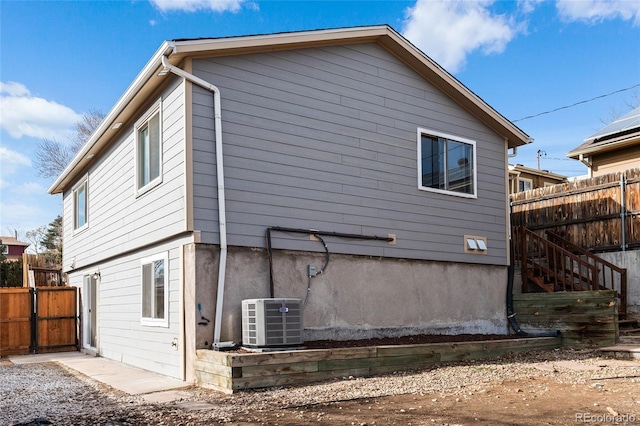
{"points": [[357, 297], [631, 261]]}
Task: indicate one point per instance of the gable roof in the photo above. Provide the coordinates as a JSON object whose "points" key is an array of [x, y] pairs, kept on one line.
{"points": [[177, 50], [519, 168], [12, 241], [623, 132]]}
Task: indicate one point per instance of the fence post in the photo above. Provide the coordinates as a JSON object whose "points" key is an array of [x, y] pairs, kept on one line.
{"points": [[623, 209]]}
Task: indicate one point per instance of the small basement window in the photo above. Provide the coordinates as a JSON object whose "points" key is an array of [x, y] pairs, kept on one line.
{"points": [[446, 164]]}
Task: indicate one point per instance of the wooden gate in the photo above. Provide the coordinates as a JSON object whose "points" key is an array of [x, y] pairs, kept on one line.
{"points": [[38, 320], [16, 309], [56, 319]]}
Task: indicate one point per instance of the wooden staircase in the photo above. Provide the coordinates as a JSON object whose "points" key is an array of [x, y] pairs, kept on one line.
{"points": [[554, 264]]}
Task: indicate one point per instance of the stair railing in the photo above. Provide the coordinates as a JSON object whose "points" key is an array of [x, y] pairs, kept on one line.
{"points": [[610, 276], [553, 267]]}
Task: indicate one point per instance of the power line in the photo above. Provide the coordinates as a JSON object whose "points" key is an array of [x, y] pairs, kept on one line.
{"points": [[575, 104]]}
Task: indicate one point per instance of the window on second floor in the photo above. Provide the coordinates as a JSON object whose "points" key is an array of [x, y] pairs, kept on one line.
{"points": [[80, 206], [524, 184], [446, 164], [149, 150]]}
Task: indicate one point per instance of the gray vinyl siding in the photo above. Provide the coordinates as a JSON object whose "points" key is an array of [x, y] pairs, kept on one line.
{"points": [[121, 336], [325, 138], [120, 221]]}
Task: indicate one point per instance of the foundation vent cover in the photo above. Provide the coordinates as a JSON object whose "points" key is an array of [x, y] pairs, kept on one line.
{"points": [[271, 322]]}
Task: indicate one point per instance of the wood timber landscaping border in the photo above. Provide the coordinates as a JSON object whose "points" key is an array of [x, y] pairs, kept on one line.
{"points": [[230, 371]]}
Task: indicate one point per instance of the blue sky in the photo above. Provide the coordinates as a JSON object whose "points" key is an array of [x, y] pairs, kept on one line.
{"points": [[59, 59]]}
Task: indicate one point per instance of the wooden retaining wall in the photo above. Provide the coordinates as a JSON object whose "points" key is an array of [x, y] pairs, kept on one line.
{"points": [[584, 318], [234, 371]]}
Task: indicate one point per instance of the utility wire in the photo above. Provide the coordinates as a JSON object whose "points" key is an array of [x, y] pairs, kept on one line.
{"points": [[575, 104]]}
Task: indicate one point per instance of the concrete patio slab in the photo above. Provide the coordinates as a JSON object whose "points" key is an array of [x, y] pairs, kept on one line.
{"points": [[132, 380]]}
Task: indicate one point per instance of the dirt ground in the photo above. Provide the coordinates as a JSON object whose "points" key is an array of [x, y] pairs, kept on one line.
{"points": [[533, 401], [560, 387]]}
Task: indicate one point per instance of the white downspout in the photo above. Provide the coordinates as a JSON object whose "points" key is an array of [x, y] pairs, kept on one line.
{"points": [[222, 222]]}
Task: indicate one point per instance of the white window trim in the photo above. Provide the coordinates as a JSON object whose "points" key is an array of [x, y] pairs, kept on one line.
{"points": [[84, 181], [156, 108], [5, 249], [423, 131], [156, 322], [520, 179]]}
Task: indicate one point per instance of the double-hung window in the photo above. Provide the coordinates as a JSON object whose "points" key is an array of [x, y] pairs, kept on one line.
{"points": [[149, 150], [80, 206], [155, 290], [446, 164]]}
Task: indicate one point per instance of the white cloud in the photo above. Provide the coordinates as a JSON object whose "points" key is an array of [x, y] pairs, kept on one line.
{"points": [[528, 6], [11, 161], [593, 11], [448, 31], [13, 88], [195, 5], [22, 114], [11, 157]]}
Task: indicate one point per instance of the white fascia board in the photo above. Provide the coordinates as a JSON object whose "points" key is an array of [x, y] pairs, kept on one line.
{"points": [[147, 72], [279, 39]]}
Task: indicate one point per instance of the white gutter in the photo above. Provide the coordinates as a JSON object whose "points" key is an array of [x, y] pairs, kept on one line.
{"points": [[221, 197]]}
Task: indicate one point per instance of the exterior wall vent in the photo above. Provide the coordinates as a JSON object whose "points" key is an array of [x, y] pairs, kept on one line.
{"points": [[271, 322]]}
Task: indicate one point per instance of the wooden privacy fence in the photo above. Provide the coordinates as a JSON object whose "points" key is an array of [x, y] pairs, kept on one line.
{"points": [[38, 320], [598, 214], [36, 270]]}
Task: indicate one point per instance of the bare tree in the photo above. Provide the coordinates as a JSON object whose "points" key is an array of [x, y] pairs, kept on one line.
{"points": [[35, 236], [615, 113], [53, 156]]}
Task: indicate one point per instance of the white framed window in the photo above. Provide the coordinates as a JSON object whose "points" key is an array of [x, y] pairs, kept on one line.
{"points": [[524, 184], [446, 164], [155, 290], [81, 205], [5, 249], [148, 131]]}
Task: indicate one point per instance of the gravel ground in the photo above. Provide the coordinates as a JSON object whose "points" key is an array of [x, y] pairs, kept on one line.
{"points": [[34, 394]]}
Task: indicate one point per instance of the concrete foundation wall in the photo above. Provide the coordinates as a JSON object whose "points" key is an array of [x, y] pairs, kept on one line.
{"points": [[357, 297], [631, 261]]}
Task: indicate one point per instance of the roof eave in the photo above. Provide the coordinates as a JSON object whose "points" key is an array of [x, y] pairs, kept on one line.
{"points": [[382, 34], [611, 146], [150, 69], [461, 94]]}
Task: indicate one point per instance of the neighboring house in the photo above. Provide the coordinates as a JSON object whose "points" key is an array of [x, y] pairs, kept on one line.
{"points": [[614, 148], [12, 248], [348, 131], [523, 178]]}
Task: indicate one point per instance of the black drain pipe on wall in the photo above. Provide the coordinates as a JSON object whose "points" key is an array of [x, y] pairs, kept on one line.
{"points": [[316, 233]]}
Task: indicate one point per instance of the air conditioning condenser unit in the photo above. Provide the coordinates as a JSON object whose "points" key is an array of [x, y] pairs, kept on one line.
{"points": [[271, 322]]}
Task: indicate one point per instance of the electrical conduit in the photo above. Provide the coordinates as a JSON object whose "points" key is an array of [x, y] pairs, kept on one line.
{"points": [[221, 196]]}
